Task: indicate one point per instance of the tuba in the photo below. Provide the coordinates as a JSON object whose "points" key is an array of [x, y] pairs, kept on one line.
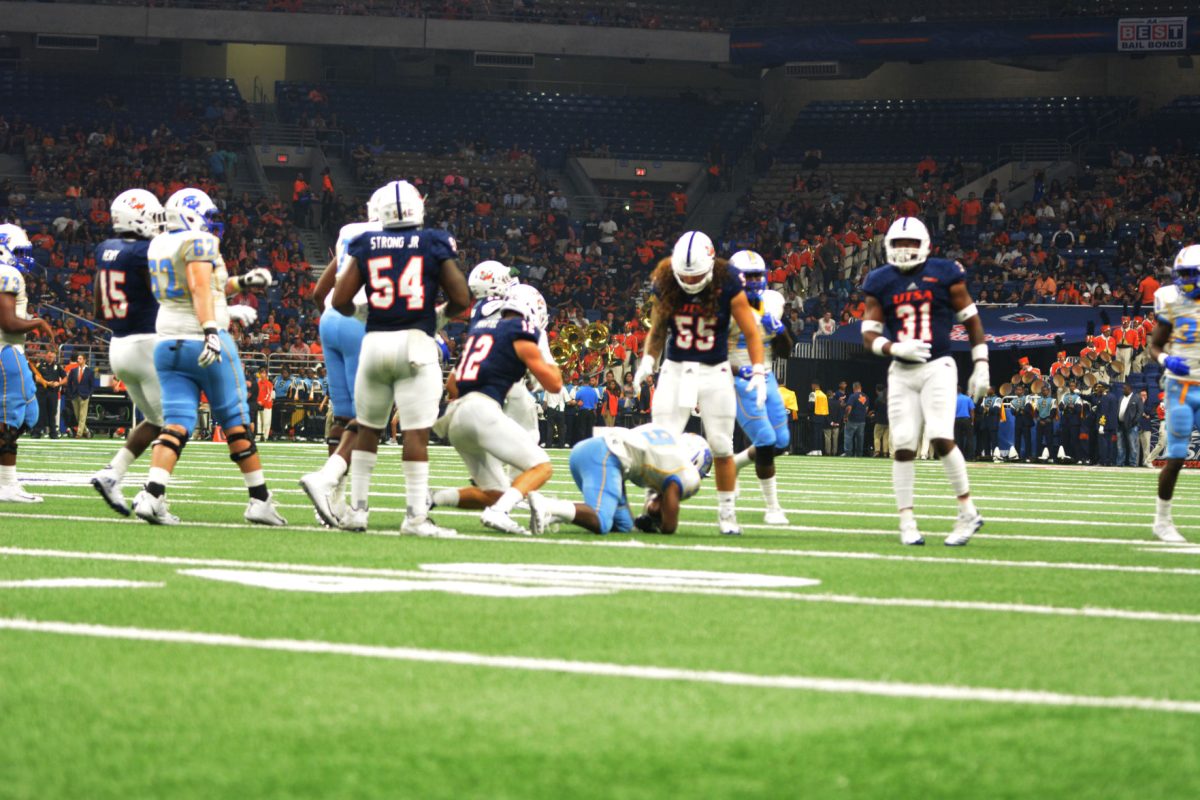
{"points": [[595, 336]]}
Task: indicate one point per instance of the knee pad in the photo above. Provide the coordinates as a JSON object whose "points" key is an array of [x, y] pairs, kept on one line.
{"points": [[783, 438], [241, 436], [176, 443], [764, 456], [8, 440], [721, 444]]}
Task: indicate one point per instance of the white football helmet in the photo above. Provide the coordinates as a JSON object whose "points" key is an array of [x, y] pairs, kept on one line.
{"points": [[192, 209], [750, 267], [532, 299], [14, 239], [692, 261], [397, 205], [1186, 270], [490, 279], [906, 258], [137, 212], [699, 453]]}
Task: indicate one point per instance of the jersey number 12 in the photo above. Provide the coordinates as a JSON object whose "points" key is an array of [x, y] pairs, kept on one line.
{"points": [[474, 352], [917, 321]]}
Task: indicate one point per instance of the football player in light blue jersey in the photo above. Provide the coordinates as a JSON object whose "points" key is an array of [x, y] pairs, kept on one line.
{"points": [[765, 424], [18, 398], [669, 465], [341, 342], [195, 353], [1177, 309]]}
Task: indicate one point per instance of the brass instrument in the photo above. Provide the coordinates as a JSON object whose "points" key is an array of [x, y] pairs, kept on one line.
{"points": [[647, 313], [561, 354], [1005, 389], [571, 336], [1036, 386], [1077, 369], [595, 336]]}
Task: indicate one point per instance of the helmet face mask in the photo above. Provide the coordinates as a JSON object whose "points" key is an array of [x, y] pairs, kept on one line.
{"points": [[137, 212], [17, 247], [490, 279], [907, 244], [699, 453], [692, 261], [752, 271], [1186, 271]]}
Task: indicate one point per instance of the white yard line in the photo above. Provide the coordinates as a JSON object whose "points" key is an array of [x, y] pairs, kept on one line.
{"points": [[915, 691]]}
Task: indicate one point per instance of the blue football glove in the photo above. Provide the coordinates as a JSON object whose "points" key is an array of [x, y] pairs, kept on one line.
{"points": [[746, 372], [771, 325], [1177, 365]]}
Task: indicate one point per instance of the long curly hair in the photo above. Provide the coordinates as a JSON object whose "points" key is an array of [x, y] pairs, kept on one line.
{"points": [[670, 297]]}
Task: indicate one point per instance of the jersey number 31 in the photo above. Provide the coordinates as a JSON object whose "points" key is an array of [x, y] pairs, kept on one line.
{"points": [[916, 321]]}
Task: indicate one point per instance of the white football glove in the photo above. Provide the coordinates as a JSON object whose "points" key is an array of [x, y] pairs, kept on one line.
{"points": [[914, 350], [980, 380], [247, 315], [441, 318], [257, 278], [645, 370], [758, 384], [211, 353]]}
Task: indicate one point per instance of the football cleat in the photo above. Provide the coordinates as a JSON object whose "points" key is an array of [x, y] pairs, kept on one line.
{"points": [[727, 523], [775, 516], [424, 526], [355, 519], [320, 491], [15, 493], [263, 512], [540, 520], [338, 503], [501, 521], [153, 509], [964, 528], [910, 535], [108, 485], [1166, 532]]}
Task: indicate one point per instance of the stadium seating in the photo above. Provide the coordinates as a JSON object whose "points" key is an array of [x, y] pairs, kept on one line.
{"points": [[973, 130], [547, 124]]}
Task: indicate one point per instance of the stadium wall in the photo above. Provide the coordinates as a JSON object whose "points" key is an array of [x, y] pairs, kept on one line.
{"points": [[1154, 81]]}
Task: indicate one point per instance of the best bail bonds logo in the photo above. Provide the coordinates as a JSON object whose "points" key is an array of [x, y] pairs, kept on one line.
{"points": [[1151, 34]]}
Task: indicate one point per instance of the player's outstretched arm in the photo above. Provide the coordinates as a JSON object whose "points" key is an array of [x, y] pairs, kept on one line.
{"points": [[452, 386], [548, 375], [11, 323], [346, 286], [325, 283]]}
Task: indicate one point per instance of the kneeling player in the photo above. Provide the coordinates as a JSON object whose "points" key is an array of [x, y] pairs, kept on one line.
{"points": [[498, 352], [1177, 308], [669, 465], [195, 354], [765, 424]]}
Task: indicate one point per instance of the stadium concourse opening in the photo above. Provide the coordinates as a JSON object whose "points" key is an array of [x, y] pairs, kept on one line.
{"points": [[682, 301]]}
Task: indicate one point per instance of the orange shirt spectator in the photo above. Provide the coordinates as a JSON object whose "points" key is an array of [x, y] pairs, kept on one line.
{"points": [[971, 210], [273, 332], [483, 208], [680, 201], [1147, 287], [926, 166]]}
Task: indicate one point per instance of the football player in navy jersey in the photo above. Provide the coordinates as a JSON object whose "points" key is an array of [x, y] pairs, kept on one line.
{"points": [[123, 299], [696, 294], [402, 266], [912, 304], [499, 350]]}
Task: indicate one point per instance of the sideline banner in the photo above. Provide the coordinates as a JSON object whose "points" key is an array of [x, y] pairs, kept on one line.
{"points": [[1151, 34]]}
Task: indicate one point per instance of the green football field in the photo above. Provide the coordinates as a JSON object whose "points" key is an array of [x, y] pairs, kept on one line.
{"points": [[1058, 655]]}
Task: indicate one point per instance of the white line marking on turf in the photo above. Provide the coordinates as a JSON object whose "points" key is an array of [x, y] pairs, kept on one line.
{"points": [[78, 583], [609, 583], [347, 584], [915, 691]]}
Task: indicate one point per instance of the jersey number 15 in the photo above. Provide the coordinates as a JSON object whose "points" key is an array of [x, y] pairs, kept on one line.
{"points": [[114, 303]]}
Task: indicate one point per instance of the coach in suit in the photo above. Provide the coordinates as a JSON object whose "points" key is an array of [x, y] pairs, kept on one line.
{"points": [[79, 391]]}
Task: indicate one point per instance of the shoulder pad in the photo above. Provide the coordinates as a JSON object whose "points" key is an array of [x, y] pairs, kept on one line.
{"points": [[441, 237]]}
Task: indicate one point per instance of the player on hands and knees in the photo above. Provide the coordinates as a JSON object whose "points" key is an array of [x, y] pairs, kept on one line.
{"points": [[195, 353], [123, 299], [341, 341], [402, 265], [499, 351], [766, 426], [669, 466], [1177, 310], [696, 295], [912, 304], [20, 405]]}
